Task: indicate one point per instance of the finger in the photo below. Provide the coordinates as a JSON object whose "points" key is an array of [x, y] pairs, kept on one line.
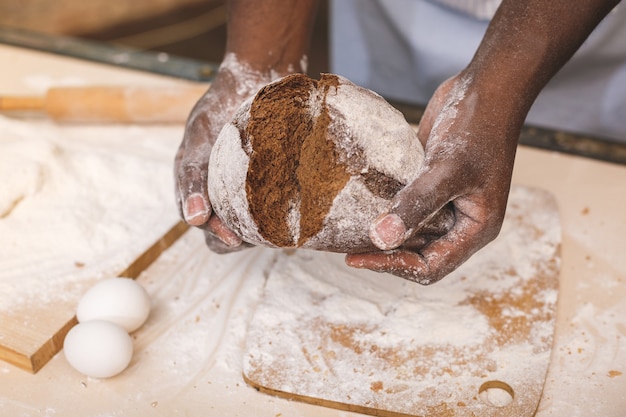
{"points": [[435, 260], [222, 232], [425, 125], [191, 175], [417, 206], [216, 245], [439, 225], [400, 262], [433, 110], [220, 239], [194, 200]]}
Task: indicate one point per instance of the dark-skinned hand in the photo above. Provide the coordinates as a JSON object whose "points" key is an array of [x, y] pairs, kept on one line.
{"points": [[468, 165], [233, 84]]}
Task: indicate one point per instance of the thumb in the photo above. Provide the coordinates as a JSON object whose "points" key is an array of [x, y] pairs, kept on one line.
{"points": [[417, 206]]}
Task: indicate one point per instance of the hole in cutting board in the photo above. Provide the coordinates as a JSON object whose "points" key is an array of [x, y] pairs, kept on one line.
{"points": [[496, 393]]}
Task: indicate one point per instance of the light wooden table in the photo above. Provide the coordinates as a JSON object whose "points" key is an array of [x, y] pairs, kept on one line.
{"points": [[187, 357]]}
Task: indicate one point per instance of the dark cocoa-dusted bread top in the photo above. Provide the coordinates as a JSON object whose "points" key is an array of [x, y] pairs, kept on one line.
{"points": [[293, 165]]}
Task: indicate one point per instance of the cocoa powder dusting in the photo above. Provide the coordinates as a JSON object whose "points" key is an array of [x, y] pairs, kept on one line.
{"points": [[320, 174], [397, 357], [279, 122], [511, 329], [376, 386], [293, 165], [381, 185]]}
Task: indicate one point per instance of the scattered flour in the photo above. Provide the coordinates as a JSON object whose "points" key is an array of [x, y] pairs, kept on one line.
{"points": [[77, 202], [375, 341]]}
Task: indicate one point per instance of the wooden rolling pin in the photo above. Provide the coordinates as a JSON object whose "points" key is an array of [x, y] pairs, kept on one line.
{"points": [[111, 104]]}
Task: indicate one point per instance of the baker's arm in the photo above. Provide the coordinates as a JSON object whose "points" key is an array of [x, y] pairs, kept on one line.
{"points": [[470, 131], [266, 39]]}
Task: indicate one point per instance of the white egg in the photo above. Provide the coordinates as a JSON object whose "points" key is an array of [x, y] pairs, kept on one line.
{"points": [[122, 301], [99, 349]]}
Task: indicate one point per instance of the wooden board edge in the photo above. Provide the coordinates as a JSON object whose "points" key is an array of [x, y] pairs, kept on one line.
{"points": [[17, 359], [52, 346], [33, 363], [326, 403], [153, 252]]}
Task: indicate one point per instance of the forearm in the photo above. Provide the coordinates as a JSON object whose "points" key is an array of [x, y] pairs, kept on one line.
{"points": [[271, 35], [527, 42]]}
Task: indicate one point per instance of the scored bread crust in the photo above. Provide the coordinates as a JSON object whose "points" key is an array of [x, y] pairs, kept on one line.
{"points": [[311, 163]]}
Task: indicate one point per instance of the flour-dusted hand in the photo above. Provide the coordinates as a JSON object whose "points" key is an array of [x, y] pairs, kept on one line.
{"points": [[470, 131], [234, 83], [266, 40], [469, 159]]}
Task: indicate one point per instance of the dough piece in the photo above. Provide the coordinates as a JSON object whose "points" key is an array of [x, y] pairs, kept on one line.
{"points": [[311, 164]]}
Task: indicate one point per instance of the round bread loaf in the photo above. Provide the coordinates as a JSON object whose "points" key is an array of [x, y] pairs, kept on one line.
{"points": [[311, 164]]}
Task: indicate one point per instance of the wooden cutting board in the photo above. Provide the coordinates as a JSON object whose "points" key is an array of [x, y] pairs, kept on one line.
{"points": [[33, 333], [476, 343]]}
